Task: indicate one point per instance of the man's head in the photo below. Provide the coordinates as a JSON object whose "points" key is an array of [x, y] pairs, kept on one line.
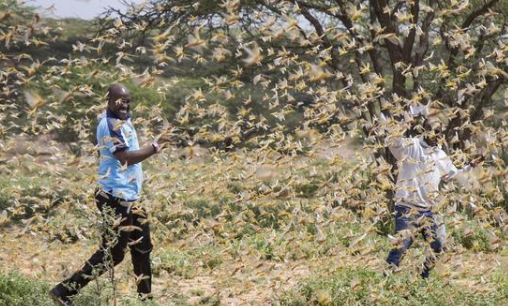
{"points": [[432, 131], [119, 100], [426, 123]]}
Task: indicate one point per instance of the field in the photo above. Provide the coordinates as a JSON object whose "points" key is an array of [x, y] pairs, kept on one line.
{"points": [[277, 185], [272, 229]]}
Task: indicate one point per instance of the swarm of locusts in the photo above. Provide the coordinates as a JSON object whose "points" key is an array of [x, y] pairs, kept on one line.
{"points": [[278, 174]]}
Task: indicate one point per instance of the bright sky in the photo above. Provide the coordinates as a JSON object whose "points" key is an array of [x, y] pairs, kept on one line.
{"points": [[85, 9]]}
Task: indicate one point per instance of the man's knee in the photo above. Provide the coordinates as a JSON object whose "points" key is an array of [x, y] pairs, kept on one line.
{"points": [[141, 251], [117, 256], [142, 245]]}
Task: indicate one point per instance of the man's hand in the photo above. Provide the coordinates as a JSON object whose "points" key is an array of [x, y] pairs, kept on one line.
{"points": [[156, 147]]}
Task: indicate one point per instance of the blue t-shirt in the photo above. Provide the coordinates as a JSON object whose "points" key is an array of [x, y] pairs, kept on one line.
{"points": [[114, 135]]}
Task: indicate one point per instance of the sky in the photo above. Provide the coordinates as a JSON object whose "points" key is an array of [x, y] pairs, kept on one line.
{"points": [[88, 9], [85, 9]]}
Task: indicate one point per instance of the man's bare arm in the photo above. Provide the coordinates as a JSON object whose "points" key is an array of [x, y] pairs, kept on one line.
{"points": [[134, 157]]}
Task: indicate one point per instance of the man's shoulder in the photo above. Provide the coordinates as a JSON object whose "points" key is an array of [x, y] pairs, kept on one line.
{"points": [[110, 123], [102, 123], [441, 153], [128, 123], [411, 141]]}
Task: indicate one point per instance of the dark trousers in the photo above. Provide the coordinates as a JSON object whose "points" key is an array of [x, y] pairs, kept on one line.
{"points": [[126, 225], [424, 223]]}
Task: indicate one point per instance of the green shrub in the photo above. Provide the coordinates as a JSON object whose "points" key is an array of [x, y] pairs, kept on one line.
{"points": [[307, 189], [202, 208], [178, 263], [235, 187], [17, 290], [186, 264], [473, 236]]}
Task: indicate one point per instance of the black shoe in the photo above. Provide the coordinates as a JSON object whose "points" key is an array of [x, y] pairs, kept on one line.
{"points": [[145, 297], [425, 272], [61, 295]]}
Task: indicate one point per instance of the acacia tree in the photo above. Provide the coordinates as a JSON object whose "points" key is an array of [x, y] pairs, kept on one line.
{"points": [[341, 63], [452, 52]]}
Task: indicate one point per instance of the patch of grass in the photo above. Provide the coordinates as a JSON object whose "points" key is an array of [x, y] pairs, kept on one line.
{"points": [[365, 287], [28, 193], [187, 263], [202, 208], [264, 245], [235, 187], [178, 263], [130, 301], [17, 290], [307, 189], [23, 187], [473, 237]]}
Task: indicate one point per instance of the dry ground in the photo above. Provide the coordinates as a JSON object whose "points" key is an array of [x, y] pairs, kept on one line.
{"points": [[246, 278]]}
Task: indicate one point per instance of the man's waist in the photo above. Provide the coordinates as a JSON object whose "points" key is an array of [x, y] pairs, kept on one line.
{"points": [[421, 207], [120, 194]]}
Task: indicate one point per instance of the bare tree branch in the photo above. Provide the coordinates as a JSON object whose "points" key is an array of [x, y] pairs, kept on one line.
{"points": [[410, 40]]}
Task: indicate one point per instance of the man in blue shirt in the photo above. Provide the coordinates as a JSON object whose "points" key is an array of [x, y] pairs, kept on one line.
{"points": [[120, 178]]}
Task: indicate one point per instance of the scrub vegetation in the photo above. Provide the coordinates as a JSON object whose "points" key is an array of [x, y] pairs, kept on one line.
{"points": [[276, 188]]}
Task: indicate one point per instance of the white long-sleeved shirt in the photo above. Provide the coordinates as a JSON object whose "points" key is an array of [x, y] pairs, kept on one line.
{"points": [[421, 168]]}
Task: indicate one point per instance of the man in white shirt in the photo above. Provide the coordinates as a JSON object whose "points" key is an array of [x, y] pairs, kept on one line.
{"points": [[422, 165]]}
